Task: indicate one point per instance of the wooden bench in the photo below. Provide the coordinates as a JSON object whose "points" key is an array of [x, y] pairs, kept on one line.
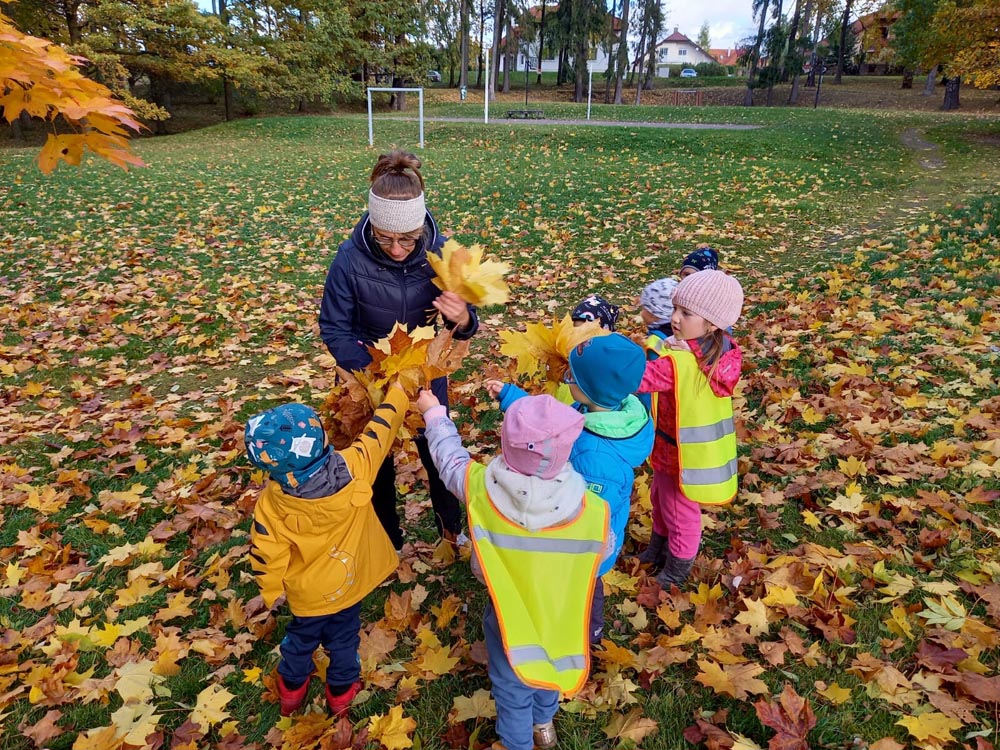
{"points": [[699, 96], [525, 114]]}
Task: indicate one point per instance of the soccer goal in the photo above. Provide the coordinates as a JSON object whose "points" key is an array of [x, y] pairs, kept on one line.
{"points": [[371, 131]]}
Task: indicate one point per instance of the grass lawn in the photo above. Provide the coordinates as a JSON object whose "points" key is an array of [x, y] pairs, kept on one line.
{"points": [[146, 315]]}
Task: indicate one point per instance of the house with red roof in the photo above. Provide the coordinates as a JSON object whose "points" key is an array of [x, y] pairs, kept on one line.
{"points": [[677, 49], [726, 56]]}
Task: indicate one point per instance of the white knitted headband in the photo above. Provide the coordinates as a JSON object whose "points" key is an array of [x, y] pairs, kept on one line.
{"points": [[396, 216]]}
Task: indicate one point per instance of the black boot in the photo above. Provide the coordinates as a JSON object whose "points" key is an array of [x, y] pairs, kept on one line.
{"points": [[655, 551], [675, 571]]}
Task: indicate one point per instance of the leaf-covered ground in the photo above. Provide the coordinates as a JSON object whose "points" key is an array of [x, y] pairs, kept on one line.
{"points": [[852, 592]]}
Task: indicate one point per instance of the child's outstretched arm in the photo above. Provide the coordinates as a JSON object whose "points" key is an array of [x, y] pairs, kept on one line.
{"points": [[269, 556], [449, 455], [365, 455], [658, 377], [505, 393]]}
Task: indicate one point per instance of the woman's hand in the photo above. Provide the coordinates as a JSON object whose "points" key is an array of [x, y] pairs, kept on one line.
{"points": [[493, 387], [454, 309], [426, 400]]}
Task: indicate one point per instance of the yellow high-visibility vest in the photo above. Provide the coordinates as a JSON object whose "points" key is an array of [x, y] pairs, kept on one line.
{"points": [[541, 584], [657, 345], [706, 434]]}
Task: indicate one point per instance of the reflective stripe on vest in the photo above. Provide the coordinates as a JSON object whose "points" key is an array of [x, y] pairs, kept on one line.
{"points": [[706, 434], [656, 344], [541, 584], [535, 544]]}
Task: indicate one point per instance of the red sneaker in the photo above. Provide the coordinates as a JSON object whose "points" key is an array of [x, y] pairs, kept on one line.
{"points": [[291, 700], [340, 703]]}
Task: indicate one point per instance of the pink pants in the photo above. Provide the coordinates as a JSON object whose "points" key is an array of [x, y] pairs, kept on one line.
{"points": [[675, 517]]}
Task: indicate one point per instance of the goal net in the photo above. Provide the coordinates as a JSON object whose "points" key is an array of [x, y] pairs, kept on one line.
{"points": [[371, 129]]}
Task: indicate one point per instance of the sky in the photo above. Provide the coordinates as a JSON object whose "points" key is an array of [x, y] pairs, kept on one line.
{"points": [[729, 21]]}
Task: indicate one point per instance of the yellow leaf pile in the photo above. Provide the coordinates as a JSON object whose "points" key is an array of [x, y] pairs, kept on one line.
{"points": [[542, 352], [413, 358], [463, 271]]}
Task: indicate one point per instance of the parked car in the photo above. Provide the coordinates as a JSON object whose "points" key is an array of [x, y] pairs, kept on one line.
{"points": [[434, 75], [689, 73]]}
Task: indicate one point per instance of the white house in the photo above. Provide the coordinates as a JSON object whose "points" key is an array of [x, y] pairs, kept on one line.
{"points": [[677, 49], [550, 55]]}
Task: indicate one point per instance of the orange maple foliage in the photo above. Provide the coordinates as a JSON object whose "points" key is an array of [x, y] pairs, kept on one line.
{"points": [[44, 80]]}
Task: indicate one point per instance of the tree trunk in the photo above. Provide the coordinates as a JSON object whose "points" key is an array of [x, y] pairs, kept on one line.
{"points": [[72, 15], [508, 49], [755, 57], [793, 95], [482, 34], [541, 45], [951, 86], [907, 79], [580, 65], [640, 52], [622, 53], [793, 32], [498, 9], [842, 52], [464, 31], [563, 65], [931, 80]]}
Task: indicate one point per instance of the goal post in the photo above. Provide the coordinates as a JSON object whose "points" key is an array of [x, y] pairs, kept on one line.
{"points": [[371, 130]]}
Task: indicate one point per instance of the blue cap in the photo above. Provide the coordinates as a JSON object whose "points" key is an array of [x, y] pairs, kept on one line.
{"points": [[607, 369], [288, 442]]}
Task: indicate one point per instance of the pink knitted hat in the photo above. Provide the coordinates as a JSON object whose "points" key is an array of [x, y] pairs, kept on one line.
{"points": [[538, 434], [714, 295]]}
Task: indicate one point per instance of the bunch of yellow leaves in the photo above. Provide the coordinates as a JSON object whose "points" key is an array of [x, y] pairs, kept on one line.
{"points": [[542, 352], [463, 271], [412, 358]]}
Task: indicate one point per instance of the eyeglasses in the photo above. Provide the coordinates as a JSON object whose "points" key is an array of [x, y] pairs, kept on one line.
{"points": [[407, 243]]}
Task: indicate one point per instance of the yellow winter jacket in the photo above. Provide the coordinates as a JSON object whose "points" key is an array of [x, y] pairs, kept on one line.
{"points": [[327, 553]]}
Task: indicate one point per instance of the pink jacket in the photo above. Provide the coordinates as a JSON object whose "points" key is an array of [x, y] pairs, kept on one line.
{"points": [[659, 379]]}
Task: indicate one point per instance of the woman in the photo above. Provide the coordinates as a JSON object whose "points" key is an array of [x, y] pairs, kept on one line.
{"points": [[380, 276]]}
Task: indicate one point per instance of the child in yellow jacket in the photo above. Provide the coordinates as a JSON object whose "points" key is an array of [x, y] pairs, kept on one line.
{"points": [[316, 539]]}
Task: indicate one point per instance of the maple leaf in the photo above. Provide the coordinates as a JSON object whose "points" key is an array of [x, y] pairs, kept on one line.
{"points": [[208, 709], [633, 727], [478, 706], [136, 680], [833, 693], [462, 270], [43, 729], [401, 355], [791, 717], [392, 730], [737, 681], [437, 661], [543, 351], [102, 738], [135, 722], [444, 355], [932, 725]]}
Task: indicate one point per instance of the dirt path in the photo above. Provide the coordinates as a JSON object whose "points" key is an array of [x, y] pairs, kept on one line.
{"points": [[595, 123], [930, 157]]}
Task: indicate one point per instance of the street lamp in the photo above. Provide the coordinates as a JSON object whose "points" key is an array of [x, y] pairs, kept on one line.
{"points": [[527, 64]]}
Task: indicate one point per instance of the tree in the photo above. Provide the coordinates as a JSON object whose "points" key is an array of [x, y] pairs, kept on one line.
{"points": [[971, 31], [650, 28], [912, 35], [752, 57], [704, 40], [621, 63], [40, 78], [842, 46]]}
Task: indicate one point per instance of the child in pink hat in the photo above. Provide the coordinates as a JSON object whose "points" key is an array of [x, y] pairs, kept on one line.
{"points": [[538, 538], [694, 454]]}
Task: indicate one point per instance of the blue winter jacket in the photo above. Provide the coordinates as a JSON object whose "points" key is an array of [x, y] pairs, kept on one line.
{"points": [[367, 293], [612, 445]]}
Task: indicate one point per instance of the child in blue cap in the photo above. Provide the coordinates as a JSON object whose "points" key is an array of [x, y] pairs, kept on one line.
{"points": [[316, 538], [604, 373]]}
